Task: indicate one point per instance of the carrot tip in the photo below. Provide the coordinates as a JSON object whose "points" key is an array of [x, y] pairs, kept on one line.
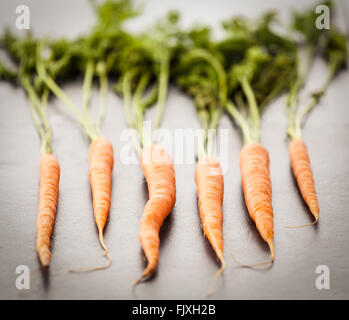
{"points": [[106, 253], [250, 265], [219, 272], [139, 280], [44, 256], [304, 225], [271, 247], [146, 273], [107, 265]]}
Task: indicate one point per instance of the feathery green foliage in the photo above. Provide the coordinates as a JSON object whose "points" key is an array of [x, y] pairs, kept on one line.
{"points": [[241, 74]]}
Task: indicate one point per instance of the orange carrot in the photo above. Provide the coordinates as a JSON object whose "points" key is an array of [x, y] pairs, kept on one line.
{"points": [[256, 184], [101, 160], [49, 185], [210, 189], [302, 171], [159, 172]]}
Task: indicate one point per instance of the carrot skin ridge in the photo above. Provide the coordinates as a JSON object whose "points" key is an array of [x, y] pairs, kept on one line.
{"points": [[101, 161], [256, 184], [49, 189], [301, 169], [159, 173]]}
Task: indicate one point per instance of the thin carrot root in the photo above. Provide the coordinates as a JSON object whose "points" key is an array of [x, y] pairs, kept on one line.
{"points": [[103, 267], [304, 225], [106, 253], [270, 261], [217, 275]]}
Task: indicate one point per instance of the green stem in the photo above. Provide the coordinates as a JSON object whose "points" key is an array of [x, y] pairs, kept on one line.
{"points": [[150, 99], [38, 116], [86, 90], [43, 105], [240, 103], [127, 94], [37, 124], [240, 120], [211, 126], [59, 93], [103, 89], [274, 93], [215, 115], [162, 94], [202, 143], [138, 106], [253, 108], [316, 97], [293, 127]]}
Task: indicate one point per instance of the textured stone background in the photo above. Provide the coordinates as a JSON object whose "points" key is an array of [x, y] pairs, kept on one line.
{"points": [[187, 263]]}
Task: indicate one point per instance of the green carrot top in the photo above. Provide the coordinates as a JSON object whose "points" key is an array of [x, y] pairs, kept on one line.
{"points": [[332, 47], [261, 75]]}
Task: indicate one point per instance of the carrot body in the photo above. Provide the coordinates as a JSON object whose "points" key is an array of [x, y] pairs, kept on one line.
{"points": [[49, 186], [101, 161], [256, 184], [302, 171], [159, 172], [210, 189]]}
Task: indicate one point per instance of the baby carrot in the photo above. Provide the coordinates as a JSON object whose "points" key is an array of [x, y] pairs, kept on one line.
{"points": [[301, 168], [159, 172], [101, 161], [210, 189], [49, 184], [256, 184]]}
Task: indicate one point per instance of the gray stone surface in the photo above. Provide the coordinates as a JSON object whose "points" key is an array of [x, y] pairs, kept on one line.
{"points": [[187, 263]]}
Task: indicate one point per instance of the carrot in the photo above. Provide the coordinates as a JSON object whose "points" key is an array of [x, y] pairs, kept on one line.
{"points": [[210, 189], [49, 184], [333, 45], [160, 176], [252, 74], [101, 161], [209, 107], [301, 168], [256, 184]]}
